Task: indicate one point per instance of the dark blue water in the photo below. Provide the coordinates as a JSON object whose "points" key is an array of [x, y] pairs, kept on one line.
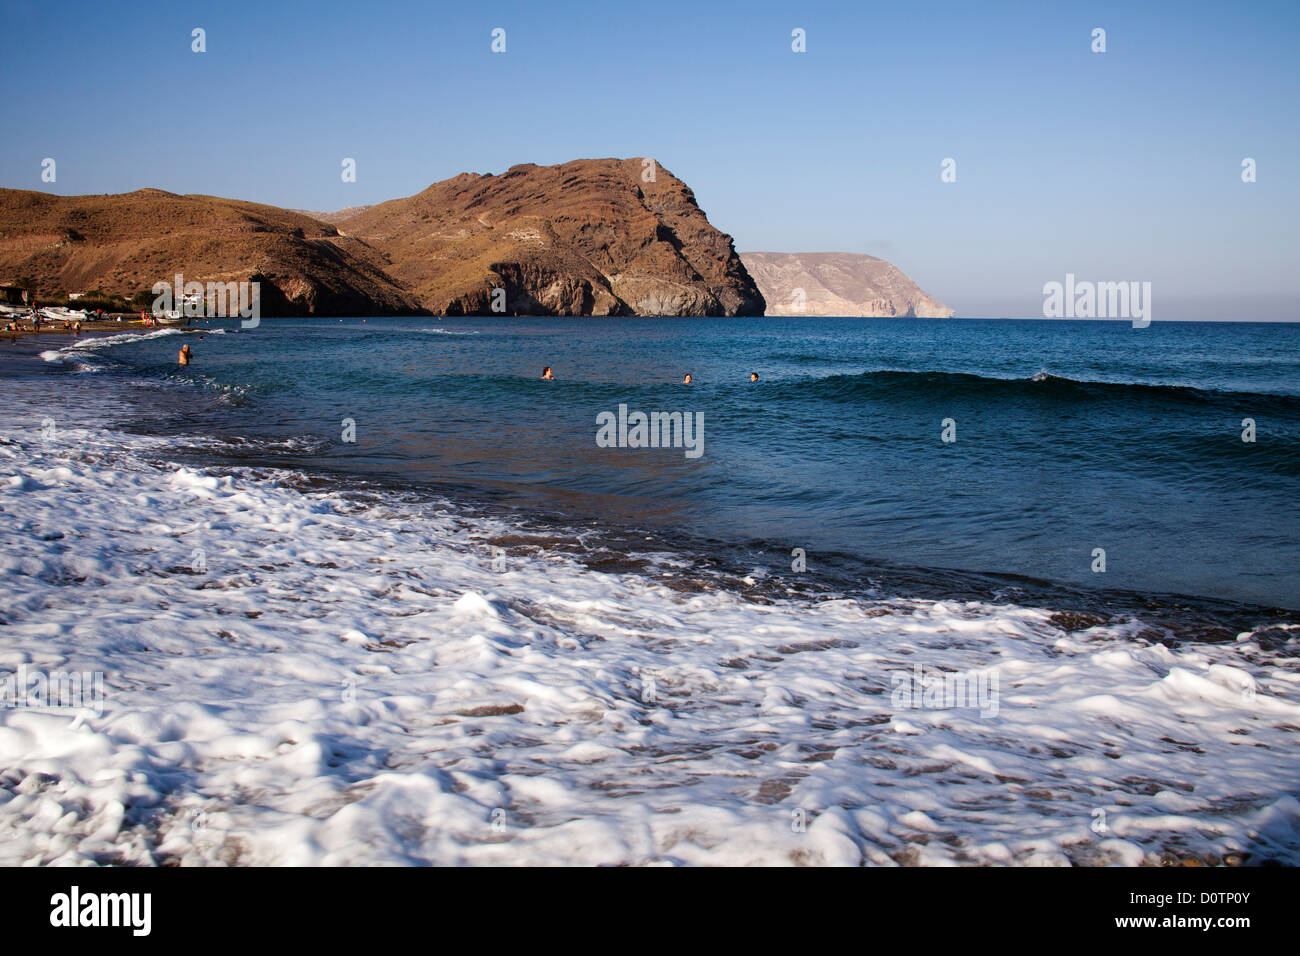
{"points": [[1070, 436]]}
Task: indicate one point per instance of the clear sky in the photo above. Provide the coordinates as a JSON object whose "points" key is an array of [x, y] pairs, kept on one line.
{"points": [[1123, 165]]}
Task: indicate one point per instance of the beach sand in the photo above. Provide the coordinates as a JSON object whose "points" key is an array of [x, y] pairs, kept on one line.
{"points": [[55, 327]]}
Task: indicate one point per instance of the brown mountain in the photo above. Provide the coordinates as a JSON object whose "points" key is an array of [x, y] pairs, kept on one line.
{"points": [[123, 244], [332, 217], [838, 283], [589, 237]]}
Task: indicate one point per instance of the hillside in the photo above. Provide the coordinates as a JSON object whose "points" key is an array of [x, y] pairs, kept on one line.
{"points": [[123, 244], [838, 283], [589, 237], [332, 217]]}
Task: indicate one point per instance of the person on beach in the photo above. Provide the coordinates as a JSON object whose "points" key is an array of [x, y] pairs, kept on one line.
{"points": [[184, 355], [753, 376], [546, 374], [687, 379]]}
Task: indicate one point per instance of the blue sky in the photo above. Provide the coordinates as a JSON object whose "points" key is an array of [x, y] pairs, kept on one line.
{"points": [[1114, 166]]}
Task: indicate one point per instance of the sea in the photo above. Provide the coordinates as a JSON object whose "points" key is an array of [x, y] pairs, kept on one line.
{"points": [[371, 591]]}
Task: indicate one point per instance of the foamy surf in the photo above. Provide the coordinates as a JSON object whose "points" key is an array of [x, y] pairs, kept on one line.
{"points": [[317, 678], [82, 354], [94, 343]]}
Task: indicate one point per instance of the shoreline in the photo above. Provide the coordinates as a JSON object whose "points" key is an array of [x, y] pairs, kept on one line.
{"points": [[357, 653], [55, 327], [1188, 615], [674, 723]]}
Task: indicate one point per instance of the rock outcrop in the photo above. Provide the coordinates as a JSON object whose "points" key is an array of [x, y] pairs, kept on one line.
{"points": [[589, 237], [838, 283]]}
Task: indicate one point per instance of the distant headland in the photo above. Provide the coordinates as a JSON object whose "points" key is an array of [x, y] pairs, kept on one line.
{"points": [[838, 283]]}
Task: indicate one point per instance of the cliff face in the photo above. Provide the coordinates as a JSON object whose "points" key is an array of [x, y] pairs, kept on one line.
{"points": [[123, 244], [838, 283], [590, 237]]}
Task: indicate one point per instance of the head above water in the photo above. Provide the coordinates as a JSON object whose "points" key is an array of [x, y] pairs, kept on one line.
{"points": [[753, 376], [687, 379], [546, 372]]}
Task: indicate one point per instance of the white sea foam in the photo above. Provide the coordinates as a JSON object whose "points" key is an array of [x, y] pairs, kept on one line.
{"points": [[95, 343], [71, 359], [81, 354], [308, 678]]}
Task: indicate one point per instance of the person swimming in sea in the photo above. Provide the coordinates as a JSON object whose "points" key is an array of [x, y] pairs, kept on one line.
{"points": [[546, 374], [753, 376], [687, 379], [184, 355]]}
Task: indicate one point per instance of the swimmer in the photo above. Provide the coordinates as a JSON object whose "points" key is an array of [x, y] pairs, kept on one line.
{"points": [[546, 374], [687, 379], [753, 376], [184, 356]]}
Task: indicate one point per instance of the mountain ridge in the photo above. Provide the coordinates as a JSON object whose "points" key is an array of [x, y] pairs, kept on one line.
{"points": [[590, 237], [601, 237], [587, 237], [122, 243]]}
